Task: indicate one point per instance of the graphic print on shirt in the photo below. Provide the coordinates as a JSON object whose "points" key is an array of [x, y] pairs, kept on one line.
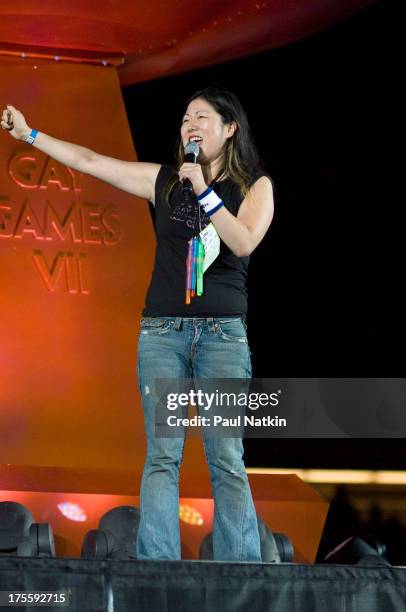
{"points": [[187, 213]]}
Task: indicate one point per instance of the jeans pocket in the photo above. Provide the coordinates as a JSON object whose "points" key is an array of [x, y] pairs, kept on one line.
{"points": [[155, 325], [231, 330]]}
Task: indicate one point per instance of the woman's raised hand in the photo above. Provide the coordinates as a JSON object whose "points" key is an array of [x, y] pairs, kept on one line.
{"points": [[14, 122]]}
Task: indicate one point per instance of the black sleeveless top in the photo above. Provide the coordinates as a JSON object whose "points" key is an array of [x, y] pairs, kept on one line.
{"points": [[224, 282]]}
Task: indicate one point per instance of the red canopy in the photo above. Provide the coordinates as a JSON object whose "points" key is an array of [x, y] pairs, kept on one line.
{"points": [[154, 38]]}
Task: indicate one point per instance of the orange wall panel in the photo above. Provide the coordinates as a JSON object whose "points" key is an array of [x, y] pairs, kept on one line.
{"points": [[75, 261]]}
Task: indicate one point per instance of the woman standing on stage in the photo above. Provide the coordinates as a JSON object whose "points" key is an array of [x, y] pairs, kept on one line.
{"points": [[190, 331]]}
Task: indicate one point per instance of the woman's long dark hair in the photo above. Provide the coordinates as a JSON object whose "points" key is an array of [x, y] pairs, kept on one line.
{"points": [[240, 155]]}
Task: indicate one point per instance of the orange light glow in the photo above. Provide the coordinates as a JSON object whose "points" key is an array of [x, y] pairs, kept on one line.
{"points": [[190, 515]]}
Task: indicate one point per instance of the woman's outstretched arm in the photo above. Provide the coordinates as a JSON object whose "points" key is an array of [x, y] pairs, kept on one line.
{"points": [[137, 178]]}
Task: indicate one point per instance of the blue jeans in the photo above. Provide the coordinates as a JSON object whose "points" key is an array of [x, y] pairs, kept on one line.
{"points": [[185, 347]]}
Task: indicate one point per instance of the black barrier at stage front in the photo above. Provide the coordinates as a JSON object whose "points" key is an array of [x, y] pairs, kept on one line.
{"points": [[209, 586]]}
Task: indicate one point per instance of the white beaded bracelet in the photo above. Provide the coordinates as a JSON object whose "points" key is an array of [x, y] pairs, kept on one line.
{"points": [[210, 201]]}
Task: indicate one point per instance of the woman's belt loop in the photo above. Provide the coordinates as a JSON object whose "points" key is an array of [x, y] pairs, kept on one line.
{"points": [[210, 325]]}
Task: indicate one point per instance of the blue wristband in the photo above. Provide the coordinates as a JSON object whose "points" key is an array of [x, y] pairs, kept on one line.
{"points": [[211, 211], [32, 137], [205, 193], [210, 201]]}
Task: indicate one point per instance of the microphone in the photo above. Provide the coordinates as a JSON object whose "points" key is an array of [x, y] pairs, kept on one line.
{"points": [[191, 154]]}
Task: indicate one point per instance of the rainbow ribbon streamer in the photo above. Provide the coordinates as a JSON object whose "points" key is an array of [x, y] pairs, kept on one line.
{"points": [[200, 260], [194, 269]]}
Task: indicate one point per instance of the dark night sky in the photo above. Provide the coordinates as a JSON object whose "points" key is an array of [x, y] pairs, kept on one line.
{"points": [[325, 284]]}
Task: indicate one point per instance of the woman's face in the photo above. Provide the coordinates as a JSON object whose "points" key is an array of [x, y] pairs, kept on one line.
{"points": [[203, 123]]}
